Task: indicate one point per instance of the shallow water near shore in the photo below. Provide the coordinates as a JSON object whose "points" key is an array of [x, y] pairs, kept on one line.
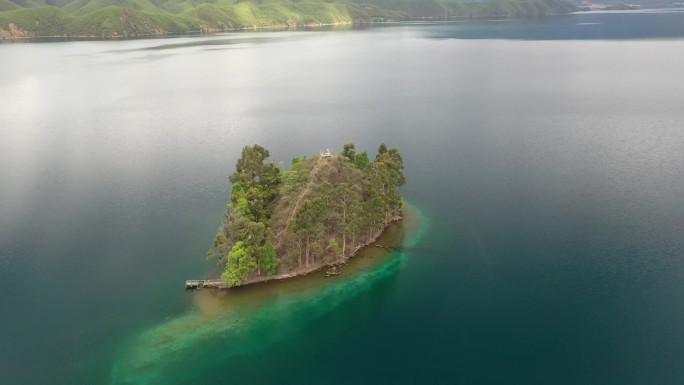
{"points": [[246, 321]]}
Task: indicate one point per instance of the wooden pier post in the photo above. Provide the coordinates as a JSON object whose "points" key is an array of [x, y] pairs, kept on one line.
{"points": [[192, 284]]}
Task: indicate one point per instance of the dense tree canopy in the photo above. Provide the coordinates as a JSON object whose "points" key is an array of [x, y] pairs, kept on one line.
{"points": [[318, 212]]}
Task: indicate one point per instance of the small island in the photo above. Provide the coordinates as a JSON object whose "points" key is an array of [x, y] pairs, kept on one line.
{"points": [[322, 211]]}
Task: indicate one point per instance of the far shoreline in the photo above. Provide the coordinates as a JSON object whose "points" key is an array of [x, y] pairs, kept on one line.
{"points": [[198, 33], [26, 38]]}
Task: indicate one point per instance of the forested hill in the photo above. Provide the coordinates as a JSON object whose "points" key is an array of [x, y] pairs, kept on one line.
{"points": [[130, 18], [319, 212]]}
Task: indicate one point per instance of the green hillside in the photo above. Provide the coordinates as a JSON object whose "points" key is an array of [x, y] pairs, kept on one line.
{"points": [[82, 7], [458, 9], [129, 18]]}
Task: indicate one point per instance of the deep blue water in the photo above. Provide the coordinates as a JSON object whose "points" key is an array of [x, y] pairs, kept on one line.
{"points": [[546, 162]]}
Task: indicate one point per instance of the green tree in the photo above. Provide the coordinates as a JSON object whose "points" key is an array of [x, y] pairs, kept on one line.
{"points": [[238, 266], [296, 160], [349, 151], [258, 179], [361, 161], [250, 166], [391, 168], [269, 262], [380, 193], [347, 199], [381, 150], [293, 180], [332, 250], [345, 202], [397, 167], [307, 222]]}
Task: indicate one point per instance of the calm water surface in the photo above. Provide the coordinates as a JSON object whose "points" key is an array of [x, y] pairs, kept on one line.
{"points": [[544, 158]]}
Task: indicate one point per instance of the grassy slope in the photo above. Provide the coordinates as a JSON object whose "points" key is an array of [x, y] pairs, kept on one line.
{"points": [[82, 7], [109, 18], [39, 21]]}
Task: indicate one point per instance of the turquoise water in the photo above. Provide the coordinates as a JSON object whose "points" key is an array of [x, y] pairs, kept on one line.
{"points": [[546, 162], [250, 321]]}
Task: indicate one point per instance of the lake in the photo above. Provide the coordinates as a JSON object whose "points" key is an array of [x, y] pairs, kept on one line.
{"points": [[545, 167]]}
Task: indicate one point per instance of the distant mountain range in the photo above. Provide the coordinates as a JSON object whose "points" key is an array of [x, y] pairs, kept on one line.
{"points": [[131, 18]]}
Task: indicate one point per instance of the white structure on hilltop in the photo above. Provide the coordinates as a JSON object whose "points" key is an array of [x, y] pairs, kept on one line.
{"points": [[326, 154]]}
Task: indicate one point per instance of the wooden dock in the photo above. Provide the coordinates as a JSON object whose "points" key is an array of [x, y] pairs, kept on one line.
{"points": [[192, 284]]}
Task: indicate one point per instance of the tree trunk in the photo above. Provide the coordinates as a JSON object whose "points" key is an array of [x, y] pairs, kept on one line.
{"points": [[344, 244], [307, 251]]}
